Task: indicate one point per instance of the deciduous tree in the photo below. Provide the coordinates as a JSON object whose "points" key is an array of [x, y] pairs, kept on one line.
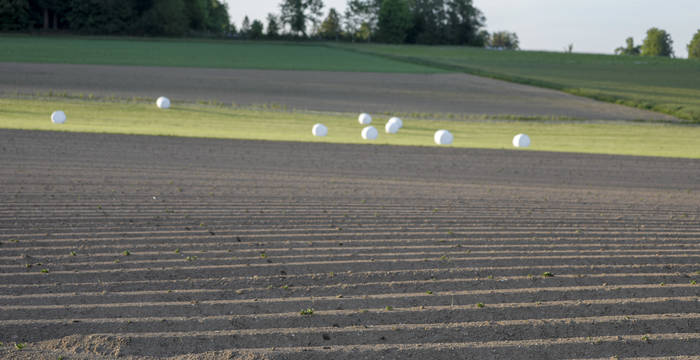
{"points": [[296, 13], [464, 23], [657, 43], [694, 47], [504, 40], [361, 18], [629, 48]]}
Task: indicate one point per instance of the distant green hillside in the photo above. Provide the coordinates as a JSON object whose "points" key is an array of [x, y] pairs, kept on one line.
{"points": [[195, 53], [670, 86]]}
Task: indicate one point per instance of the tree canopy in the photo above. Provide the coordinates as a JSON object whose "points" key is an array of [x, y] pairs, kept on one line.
{"points": [[657, 43], [117, 17], [629, 48], [504, 40], [331, 28], [394, 21], [694, 47]]}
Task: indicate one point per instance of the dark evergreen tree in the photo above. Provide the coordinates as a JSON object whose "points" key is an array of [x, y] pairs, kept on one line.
{"points": [[15, 15], [218, 21], [165, 17], [394, 21], [100, 16], [330, 28], [273, 27], [256, 30]]}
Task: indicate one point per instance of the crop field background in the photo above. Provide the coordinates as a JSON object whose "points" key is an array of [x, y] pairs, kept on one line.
{"points": [[244, 123], [204, 54], [114, 246], [214, 230], [667, 85]]}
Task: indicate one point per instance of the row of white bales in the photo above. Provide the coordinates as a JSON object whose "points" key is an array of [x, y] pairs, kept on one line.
{"points": [[441, 137]]}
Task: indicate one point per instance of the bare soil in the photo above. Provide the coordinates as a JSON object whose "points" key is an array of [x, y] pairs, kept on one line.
{"points": [[393, 248], [315, 90]]}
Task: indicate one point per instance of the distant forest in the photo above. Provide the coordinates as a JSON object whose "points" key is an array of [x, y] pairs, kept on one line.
{"points": [[117, 17], [455, 22]]}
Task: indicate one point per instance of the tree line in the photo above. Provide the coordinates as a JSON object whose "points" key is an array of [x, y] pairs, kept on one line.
{"points": [[455, 22], [435, 22], [658, 42], [117, 17]]}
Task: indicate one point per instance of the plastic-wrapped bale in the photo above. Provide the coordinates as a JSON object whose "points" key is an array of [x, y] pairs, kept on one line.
{"points": [[319, 130], [364, 119], [369, 133], [521, 140], [58, 117], [391, 127], [163, 102], [443, 137], [398, 121]]}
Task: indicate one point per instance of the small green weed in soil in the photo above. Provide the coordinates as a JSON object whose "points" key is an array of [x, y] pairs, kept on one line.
{"points": [[480, 305], [308, 311], [547, 274]]}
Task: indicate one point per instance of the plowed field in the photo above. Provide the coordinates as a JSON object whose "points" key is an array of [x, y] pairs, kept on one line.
{"points": [[138, 247]]}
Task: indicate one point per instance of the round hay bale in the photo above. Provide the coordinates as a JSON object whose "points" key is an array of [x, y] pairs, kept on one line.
{"points": [[391, 127], [443, 137], [521, 140], [369, 133], [398, 121], [364, 119], [163, 102], [58, 117], [319, 130]]}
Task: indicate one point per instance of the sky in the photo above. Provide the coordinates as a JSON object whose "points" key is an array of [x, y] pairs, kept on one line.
{"points": [[592, 26]]}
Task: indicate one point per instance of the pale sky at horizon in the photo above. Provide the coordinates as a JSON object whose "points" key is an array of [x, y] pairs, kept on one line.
{"points": [[593, 26]]}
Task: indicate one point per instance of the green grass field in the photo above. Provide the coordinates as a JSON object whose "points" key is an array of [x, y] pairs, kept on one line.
{"points": [[193, 53], [670, 86], [239, 123]]}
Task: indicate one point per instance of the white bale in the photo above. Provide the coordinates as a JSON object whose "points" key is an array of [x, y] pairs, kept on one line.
{"points": [[398, 121], [319, 130], [163, 102], [364, 119], [443, 137], [391, 127], [58, 117], [369, 133], [521, 140]]}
